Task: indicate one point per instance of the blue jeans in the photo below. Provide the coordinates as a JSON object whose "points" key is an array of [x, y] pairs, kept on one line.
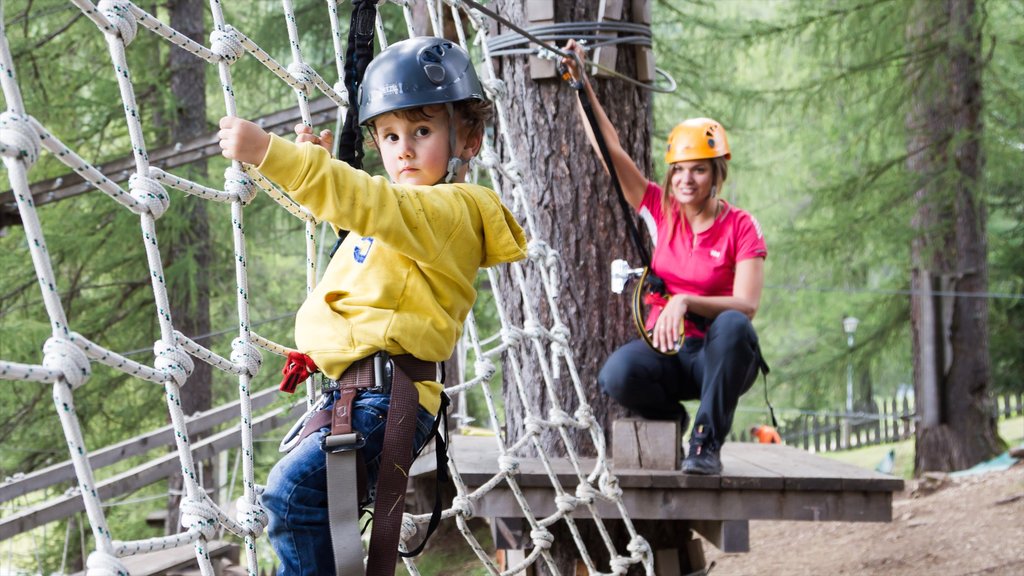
{"points": [[296, 493]]}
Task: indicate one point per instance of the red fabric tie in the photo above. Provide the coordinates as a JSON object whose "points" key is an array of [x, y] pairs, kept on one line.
{"points": [[296, 369]]}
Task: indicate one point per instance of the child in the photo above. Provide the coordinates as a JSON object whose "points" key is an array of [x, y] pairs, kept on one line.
{"points": [[402, 281]]}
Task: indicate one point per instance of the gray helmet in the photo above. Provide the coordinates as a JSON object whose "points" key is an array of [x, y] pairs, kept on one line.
{"points": [[417, 72]]}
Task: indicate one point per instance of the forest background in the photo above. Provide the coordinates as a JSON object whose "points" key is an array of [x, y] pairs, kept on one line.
{"points": [[816, 99]]}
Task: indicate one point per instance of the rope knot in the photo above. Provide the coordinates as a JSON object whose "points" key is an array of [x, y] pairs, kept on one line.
{"points": [[610, 485], [508, 464], [225, 43], [240, 185], [488, 159], [510, 336], [246, 355], [173, 361], [496, 89], [542, 538], [585, 493], [62, 355], [252, 516], [198, 515], [585, 416], [566, 503], [484, 368], [560, 334], [18, 139], [104, 564], [149, 193], [119, 13], [464, 506], [560, 417], [536, 249], [303, 74], [511, 169], [534, 426], [408, 528], [532, 329]]}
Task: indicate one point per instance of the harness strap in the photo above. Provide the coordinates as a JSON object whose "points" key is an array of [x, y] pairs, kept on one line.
{"points": [[342, 445], [343, 512], [393, 478]]}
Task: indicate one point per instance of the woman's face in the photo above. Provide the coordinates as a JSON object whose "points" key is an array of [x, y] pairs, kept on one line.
{"points": [[691, 182]]}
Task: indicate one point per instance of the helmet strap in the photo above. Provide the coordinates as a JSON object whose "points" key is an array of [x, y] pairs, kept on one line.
{"points": [[454, 162], [714, 190]]}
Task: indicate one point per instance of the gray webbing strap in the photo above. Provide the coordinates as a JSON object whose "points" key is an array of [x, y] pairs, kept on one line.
{"points": [[343, 508]]}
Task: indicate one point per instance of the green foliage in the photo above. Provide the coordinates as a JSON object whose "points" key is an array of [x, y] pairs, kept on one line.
{"points": [[814, 96]]}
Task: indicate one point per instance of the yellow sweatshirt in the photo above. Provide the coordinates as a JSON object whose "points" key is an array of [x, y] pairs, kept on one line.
{"points": [[402, 281]]}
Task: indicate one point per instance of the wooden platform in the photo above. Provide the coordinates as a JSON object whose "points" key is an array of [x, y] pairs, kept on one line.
{"points": [[759, 482]]}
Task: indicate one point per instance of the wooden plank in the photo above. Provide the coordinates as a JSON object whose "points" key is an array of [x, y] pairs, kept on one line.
{"points": [[683, 504], [726, 535], [161, 437], [638, 443], [143, 475]]}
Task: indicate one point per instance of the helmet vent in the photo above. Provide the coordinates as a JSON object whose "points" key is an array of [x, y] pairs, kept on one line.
{"points": [[435, 73]]}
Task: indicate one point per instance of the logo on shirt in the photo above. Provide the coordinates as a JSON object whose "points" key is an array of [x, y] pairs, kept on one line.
{"points": [[362, 249], [715, 253]]}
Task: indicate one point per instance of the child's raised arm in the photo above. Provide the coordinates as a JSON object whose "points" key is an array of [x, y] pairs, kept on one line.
{"points": [[242, 140]]}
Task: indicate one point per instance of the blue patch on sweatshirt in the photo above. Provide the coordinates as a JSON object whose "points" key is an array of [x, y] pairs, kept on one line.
{"points": [[362, 249]]}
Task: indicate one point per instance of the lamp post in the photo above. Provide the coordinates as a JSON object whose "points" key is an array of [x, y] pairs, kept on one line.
{"points": [[849, 326]]}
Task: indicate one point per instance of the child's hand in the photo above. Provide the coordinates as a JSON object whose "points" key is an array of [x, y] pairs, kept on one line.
{"points": [[242, 140], [305, 134]]}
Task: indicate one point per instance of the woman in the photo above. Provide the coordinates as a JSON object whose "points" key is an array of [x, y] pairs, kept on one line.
{"points": [[711, 256]]}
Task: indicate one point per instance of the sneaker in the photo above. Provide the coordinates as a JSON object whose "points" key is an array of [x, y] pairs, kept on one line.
{"points": [[702, 460]]}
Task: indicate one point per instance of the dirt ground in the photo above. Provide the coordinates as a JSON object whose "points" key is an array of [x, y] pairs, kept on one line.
{"points": [[968, 525]]}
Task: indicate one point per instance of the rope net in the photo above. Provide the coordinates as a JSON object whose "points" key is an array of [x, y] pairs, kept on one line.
{"points": [[68, 356]]}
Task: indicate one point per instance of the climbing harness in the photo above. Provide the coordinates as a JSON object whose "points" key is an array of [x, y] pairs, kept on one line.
{"points": [[347, 488]]}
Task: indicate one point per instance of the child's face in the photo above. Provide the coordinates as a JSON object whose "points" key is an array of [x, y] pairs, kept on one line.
{"points": [[415, 151]]}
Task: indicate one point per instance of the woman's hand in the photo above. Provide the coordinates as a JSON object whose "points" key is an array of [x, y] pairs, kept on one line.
{"points": [[572, 64], [668, 328], [242, 140], [305, 134]]}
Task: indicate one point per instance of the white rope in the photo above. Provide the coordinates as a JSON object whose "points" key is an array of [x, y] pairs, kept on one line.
{"points": [[543, 343]]}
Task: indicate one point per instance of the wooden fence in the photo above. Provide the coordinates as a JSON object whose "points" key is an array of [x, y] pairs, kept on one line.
{"points": [[889, 420]]}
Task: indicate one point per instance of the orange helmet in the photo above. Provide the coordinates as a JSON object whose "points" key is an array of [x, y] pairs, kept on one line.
{"points": [[697, 139]]}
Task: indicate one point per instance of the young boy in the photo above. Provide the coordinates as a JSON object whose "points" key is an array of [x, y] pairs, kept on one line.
{"points": [[402, 281]]}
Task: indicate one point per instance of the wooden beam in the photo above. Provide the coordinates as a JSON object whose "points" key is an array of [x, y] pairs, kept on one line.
{"points": [[322, 110], [726, 535], [114, 453], [143, 475]]}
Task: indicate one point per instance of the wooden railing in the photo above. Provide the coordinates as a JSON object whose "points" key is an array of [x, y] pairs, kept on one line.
{"points": [[889, 420]]}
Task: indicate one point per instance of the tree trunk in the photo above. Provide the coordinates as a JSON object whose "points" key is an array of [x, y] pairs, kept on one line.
{"points": [[578, 214], [949, 255], [189, 251]]}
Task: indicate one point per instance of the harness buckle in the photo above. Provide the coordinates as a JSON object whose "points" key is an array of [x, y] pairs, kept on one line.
{"points": [[335, 443]]}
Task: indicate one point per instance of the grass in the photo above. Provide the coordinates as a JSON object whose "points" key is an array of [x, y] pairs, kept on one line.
{"points": [[1011, 430]]}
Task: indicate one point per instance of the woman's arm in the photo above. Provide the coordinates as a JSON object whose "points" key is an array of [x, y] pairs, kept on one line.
{"points": [[632, 180], [746, 298]]}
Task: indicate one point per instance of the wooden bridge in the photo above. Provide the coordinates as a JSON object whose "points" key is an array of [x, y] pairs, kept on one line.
{"points": [[759, 482]]}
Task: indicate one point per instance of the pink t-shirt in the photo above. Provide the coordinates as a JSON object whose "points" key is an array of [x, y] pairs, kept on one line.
{"points": [[705, 266]]}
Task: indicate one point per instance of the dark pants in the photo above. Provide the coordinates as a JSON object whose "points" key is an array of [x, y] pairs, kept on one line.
{"points": [[715, 370]]}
